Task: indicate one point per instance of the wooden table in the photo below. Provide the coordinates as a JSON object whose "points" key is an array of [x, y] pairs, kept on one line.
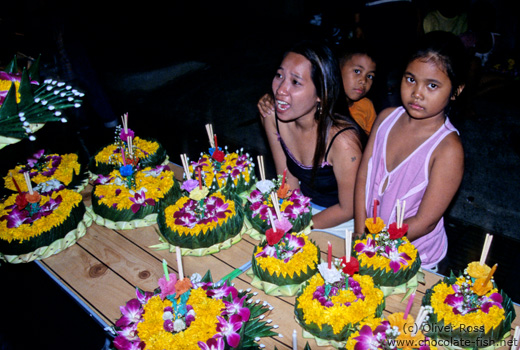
{"points": [[103, 268]]}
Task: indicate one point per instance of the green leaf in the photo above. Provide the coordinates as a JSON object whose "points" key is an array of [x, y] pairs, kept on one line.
{"points": [[25, 90]]}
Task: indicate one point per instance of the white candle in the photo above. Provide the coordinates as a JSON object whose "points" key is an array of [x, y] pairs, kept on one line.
{"points": [[179, 262], [348, 244], [294, 340]]}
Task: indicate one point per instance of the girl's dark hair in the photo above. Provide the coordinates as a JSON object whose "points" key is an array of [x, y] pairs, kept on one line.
{"points": [[448, 51], [332, 108]]}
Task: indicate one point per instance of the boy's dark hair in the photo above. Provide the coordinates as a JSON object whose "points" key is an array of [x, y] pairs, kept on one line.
{"points": [[354, 47]]}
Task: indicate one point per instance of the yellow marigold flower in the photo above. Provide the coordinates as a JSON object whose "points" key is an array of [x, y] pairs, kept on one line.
{"points": [[199, 228], [376, 227], [379, 262], [473, 319], [64, 172], [5, 85], [111, 154], [70, 199], [305, 258], [156, 188], [151, 330], [339, 316], [476, 270]]}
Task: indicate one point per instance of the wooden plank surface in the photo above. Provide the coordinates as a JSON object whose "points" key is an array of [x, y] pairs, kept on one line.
{"points": [[103, 268]]}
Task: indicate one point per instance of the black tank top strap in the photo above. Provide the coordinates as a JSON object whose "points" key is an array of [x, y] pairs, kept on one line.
{"points": [[332, 141]]}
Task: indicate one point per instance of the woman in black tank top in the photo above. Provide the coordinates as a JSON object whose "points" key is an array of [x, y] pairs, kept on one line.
{"points": [[312, 134]]}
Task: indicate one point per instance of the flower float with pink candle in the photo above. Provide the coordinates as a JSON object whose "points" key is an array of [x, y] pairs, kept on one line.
{"points": [[192, 313], [387, 255]]}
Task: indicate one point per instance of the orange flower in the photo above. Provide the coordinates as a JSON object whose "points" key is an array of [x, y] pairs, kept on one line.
{"points": [[375, 227], [182, 286]]}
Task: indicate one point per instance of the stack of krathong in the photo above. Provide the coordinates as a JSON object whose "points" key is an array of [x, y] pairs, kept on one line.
{"points": [[285, 260], [131, 195], [48, 169], [125, 149], [26, 103], [294, 206], [201, 222], [467, 310], [41, 221], [192, 313], [223, 171], [388, 256], [335, 301]]}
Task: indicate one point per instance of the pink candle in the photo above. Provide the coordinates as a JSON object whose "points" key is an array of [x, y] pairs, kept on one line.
{"points": [[409, 306], [376, 202], [329, 255], [216, 146], [200, 178]]}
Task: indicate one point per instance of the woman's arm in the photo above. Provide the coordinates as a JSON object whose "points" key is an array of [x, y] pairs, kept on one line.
{"points": [[445, 176], [360, 213], [345, 156]]}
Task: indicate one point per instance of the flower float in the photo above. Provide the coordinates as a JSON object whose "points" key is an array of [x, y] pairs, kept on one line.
{"points": [[386, 254], [283, 261], [201, 219], [127, 148], [35, 225], [335, 301], [293, 206], [468, 310], [131, 196], [225, 171], [43, 168], [192, 314], [26, 104]]}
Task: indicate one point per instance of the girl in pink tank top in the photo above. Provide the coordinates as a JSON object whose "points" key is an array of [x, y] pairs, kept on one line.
{"points": [[414, 153]]}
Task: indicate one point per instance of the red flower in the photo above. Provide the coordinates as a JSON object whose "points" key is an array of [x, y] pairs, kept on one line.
{"points": [[351, 267], [21, 201], [274, 237], [218, 155], [395, 232]]}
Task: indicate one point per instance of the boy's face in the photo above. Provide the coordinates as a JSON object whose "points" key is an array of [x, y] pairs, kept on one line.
{"points": [[358, 75]]}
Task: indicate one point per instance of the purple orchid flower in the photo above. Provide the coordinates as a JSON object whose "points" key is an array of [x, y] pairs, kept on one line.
{"points": [[269, 250], [223, 291], [143, 296], [213, 344], [129, 332], [367, 340], [236, 307], [131, 313], [31, 162], [255, 196], [122, 343], [185, 219], [16, 218], [140, 200], [229, 329], [124, 135], [369, 248], [396, 259], [494, 299], [102, 180]]}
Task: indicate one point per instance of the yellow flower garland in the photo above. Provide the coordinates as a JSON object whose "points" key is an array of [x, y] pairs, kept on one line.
{"points": [[110, 153], [70, 199], [68, 167], [200, 228], [339, 316], [307, 257], [151, 330], [383, 263], [156, 188], [473, 319], [230, 160]]}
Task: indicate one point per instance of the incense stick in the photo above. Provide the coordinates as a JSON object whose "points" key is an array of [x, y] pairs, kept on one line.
{"points": [[485, 249]]}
